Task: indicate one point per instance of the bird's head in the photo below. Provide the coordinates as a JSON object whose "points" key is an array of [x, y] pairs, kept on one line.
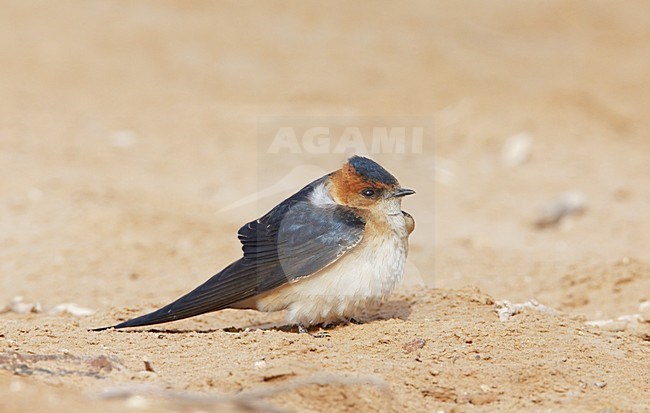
{"points": [[364, 184]]}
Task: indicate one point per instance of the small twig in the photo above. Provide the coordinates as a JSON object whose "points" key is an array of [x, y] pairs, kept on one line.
{"points": [[247, 399]]}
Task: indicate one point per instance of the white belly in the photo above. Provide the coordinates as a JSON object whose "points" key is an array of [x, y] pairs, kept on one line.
{"points": [[363, 276]]}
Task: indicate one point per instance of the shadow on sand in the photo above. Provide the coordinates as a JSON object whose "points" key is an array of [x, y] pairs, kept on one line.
{"points": [[394, 309]]}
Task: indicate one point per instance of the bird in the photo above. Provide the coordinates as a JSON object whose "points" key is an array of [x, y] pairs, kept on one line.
{"points": [[326, 253]]}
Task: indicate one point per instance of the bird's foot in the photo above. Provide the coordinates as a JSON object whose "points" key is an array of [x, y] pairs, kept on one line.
{"points": [[333, 324], [321, 334]]}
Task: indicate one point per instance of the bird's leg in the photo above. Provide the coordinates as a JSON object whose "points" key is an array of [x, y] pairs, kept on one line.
{"points": [[327, 326], [303, 330], [333, 324]]}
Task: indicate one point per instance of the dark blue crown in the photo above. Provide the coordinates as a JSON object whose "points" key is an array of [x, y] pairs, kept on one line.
{"points": [[371, 170]]}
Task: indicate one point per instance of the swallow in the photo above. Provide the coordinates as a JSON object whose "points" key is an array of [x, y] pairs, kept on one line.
{"points": [[324, 254]]}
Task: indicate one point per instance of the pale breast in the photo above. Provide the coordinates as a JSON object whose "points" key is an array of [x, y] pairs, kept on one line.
{"points": [[366, 274]]}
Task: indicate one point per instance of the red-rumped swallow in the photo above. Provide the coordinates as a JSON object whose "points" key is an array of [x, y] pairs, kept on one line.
{"points": [[324, 254]]}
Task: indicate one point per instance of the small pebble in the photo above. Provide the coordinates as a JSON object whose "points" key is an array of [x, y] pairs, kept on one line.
{"points": [[644, 310], [516, 150], [148, 366], [73, 309], [569, 203], [613, 326], [414, 345]]}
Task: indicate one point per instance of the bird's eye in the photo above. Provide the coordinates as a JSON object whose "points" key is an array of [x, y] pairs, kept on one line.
{"points": [[368, 192]]}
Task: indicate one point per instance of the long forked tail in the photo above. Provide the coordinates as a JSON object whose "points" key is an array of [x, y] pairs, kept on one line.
{"points": [[222, 290]]}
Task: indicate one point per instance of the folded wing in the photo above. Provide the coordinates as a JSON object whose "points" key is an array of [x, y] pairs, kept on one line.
{"points": [[294, 240]]}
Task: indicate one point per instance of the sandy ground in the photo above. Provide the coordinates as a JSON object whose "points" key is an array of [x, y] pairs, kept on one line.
{"points": [[130, 133]]}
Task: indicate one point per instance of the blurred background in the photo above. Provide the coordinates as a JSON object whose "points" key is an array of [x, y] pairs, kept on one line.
{"points": [[128, 130]]}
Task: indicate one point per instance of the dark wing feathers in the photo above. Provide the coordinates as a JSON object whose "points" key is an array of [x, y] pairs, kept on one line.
{"points": [[309, 239], [295, 239], [217, 293]]}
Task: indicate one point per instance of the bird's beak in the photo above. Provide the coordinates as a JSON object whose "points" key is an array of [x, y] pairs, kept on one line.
{"points": [[400, 192]]}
